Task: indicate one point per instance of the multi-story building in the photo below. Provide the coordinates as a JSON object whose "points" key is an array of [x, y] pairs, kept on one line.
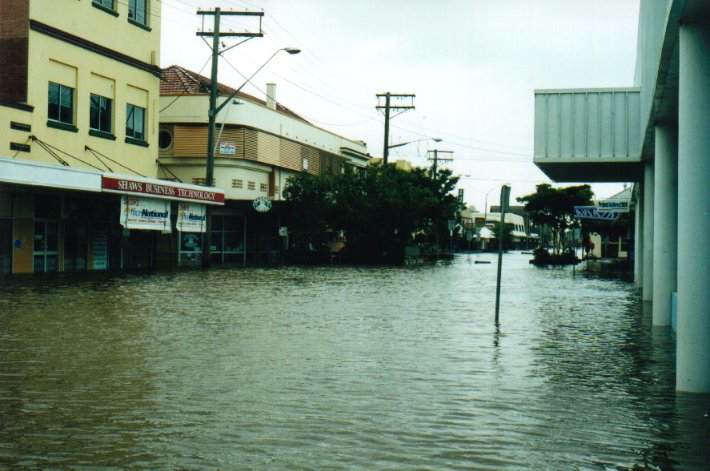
{"points": [[259, 145], [654, 134], [79, 92]]}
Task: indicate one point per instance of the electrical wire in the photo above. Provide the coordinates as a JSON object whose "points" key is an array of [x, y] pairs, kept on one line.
{"points": [[184, 94], [53, 151], [95, 152]]}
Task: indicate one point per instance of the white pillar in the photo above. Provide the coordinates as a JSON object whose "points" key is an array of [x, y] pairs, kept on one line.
{"points": [[665, 223], [638, 240], [693, 350], [647, 264]]}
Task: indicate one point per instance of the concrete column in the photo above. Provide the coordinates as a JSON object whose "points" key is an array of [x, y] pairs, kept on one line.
{"points": [[693, 334], [638, 240], [665, 223], [647, 264]]}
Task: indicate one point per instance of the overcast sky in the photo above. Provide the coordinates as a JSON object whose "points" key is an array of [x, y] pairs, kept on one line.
{"points": [[473, 65]]}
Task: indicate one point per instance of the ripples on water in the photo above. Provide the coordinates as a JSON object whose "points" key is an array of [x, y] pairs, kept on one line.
{"points": [[340, 367]]}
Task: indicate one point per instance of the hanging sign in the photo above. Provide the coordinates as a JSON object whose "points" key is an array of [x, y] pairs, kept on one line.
{"points": [[145, 213], [191, 217], [591, 212]]}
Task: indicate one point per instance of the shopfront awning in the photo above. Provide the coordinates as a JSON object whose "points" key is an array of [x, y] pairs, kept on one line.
{"points": [[31, 173]]}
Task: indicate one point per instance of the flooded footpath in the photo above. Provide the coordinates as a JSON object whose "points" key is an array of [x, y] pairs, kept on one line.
{"points": [[341, 368]]}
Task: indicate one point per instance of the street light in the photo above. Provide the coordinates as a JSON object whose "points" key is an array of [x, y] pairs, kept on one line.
{"points": [[435, 139], [290, 50], [214, 109], [485, 206]]}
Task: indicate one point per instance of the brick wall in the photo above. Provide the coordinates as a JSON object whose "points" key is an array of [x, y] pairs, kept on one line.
{"points": [[14, 36]]}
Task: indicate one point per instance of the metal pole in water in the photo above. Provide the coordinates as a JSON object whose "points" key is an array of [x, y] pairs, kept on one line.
{"points": [[504, 196]]}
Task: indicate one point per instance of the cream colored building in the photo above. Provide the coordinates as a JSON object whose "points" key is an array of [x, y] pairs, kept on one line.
{"points": [[259, 145], [79, 92]]}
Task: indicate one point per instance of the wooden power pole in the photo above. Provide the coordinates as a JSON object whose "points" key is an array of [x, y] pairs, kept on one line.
{"points": [[216, 34], [407, 103]]}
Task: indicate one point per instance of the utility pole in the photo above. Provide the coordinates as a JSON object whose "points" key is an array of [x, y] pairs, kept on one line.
{"points": [[436, 159], [216, 34], [408, 104]]}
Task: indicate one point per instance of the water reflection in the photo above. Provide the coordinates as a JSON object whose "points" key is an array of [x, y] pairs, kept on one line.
{"points": [[340, 367]]}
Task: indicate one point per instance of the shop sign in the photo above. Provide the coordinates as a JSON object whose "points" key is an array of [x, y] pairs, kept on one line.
{"points": [[591, 212], [145, 213], [227, 148], [262, 204], [619, 206], [192, 217], [100, 250], [125, 185]]}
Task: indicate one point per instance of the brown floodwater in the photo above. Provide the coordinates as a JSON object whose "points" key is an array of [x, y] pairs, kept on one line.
{"points": [[341, 367]]}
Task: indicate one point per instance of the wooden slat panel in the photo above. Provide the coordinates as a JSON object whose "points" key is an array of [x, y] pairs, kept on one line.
{"points": [[290, 155], [235, 135], [313, 157], [190, 141], [268, 148]]}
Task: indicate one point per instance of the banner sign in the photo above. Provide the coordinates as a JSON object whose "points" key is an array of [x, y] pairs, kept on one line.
{"points": [[619, 206], [591, 212], [145, 213], [191, 217], [165, 190]]}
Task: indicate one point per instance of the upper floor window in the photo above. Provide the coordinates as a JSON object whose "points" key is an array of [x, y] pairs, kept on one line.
{"points": [[61, 103], [138, 11], [100, 114], [105, 3], [135, 122]]}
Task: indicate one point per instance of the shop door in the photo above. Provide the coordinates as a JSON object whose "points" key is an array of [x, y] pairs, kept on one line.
{"points": [[76, 246], [46, 246], [5, 246], [141, 249]]}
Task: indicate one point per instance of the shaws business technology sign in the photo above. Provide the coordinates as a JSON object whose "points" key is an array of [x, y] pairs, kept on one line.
{"points": [[161, 190]]}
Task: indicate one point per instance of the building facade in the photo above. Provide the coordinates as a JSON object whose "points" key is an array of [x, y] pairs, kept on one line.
{"points": [[79, 92], [258, 146], [654, 134]]}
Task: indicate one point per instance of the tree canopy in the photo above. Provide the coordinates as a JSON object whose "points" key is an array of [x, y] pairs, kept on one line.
{"points": [[554, 207], [381, 209]]}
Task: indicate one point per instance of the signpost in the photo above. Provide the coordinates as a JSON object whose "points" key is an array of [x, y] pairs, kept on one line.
{"points": [[504, 197]]}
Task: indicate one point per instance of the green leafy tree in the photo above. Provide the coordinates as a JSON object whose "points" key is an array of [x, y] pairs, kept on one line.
{"points": [[554, 207], [507, 234], [380, 208], [312, 200]]}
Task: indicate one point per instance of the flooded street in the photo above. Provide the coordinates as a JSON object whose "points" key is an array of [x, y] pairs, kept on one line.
{"points": [[341, 367]]}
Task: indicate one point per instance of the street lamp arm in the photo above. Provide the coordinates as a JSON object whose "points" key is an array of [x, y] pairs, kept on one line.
{"points": [[290, 50], [435, 139]]}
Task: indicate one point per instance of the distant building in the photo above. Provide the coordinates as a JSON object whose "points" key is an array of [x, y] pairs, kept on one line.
{"points": [[259, 145]]}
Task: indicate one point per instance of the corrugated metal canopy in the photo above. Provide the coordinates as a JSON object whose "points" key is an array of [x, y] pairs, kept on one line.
{"points": [[589, 135]]}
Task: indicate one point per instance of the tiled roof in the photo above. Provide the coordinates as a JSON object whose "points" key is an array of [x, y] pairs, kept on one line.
{"points": [[180, 81]]}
